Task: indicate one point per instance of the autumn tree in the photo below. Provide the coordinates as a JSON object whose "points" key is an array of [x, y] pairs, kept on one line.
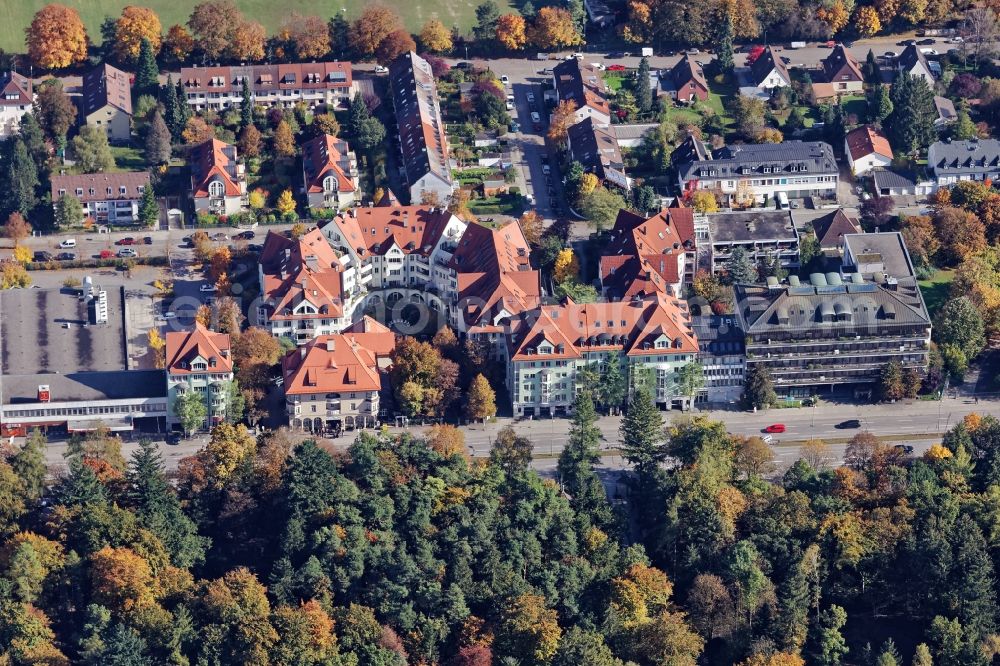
{"points": [[435, 37], [866, 21], [134, 25], [960, 233], [17, 228], [308, 35], [371, 28], [563, 117], [54, 110], [510, 452], [423, 380], [235, 612], [197, 131], [395, 44], [481, 400], [178, 44], [529, 630], [284, 140], [554, 28], [566, 267], [214, 24], [56, 37], [447, 440], [511, 31], [248, 42]]}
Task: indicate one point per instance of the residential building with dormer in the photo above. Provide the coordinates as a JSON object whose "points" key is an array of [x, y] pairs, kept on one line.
{"points": [[199, 360]]}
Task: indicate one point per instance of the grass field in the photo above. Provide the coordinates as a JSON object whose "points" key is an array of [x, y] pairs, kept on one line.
{"points": [[15, 15], [935, 290]]}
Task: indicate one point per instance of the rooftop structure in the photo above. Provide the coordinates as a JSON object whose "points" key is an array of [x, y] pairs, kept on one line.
{"points": [[314, 83], [218, 179], [328, 172]]}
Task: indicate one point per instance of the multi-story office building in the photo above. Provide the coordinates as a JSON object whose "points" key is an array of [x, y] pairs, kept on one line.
{"points": [[548, 346], [198, 360], [838, 329], [333, 381], [327, 84], [720, 353], [107, 198]]}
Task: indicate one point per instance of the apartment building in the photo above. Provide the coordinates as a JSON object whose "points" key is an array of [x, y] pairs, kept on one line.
{"points": [[302, 288], [838, 329], [404, 247], [950, 162], [107, 198], [422, 139], [16, 98], [328, 84], [583, 85], [547, 347], [218, 178], [199, 360], [329, 172], [758, 172], [106, 102], [763, 234], [596, 148], [333, 382], [649, 255]]}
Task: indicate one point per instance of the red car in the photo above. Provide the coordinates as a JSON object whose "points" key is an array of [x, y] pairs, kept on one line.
{"points": [[106, 254], [616, 68], [128, 240], [775, 428]]}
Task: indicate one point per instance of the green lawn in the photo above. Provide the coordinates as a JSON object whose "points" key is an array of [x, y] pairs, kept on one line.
{"points": [[128, 158], [15, 15], [856, 105], [936, 289]]}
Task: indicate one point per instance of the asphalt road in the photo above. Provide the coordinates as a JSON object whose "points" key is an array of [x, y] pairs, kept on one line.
{"points": [[916, 423]]}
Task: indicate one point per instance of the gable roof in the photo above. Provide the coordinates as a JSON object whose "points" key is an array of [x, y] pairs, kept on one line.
{"points": [[767, 62], [831, 228], [945, 109], [911, 57], [100, 183], [644, 254], [182, 347], [268, 78], [957, 157], [421, 128], [687, 71], [15, 89], [213, 160], [582, 84], [867, 140], [105, 85], [323, 156], [841, 63], [297, 270], [372, 231], [596, 148], [813, 157]]}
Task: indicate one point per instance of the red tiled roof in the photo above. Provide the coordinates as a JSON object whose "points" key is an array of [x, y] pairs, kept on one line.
{"points": [[303, 269], [643, 255], [210, 160], [415, 229], [867, 140], [325, 156], [633, 326], [182, 347], [343, 362]]}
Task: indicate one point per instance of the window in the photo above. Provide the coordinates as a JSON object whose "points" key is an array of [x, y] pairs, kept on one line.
{"points": [[215, 188]]}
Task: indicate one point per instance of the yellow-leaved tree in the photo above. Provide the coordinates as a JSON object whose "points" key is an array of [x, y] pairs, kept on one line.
{"points": [[566, 266], [286, 202]]}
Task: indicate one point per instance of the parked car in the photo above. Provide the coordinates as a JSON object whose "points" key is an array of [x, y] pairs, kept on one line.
{"points": [[904, 448], [889, 55], [907, 42], [66, 256], [929, 51], [169, 315], [504, 79], [515, 127], [67, 243], [535, 118], [927, 42], [127, 240], [255, 247], [42, 256], [531, 98], [127, 253], [767, 439], [617, 54], [616, 68], [546, 169], [219, 236], [849, 424], [245, 235], [381, 69], [599, 66], [775, 428], [578, 55], [105, 254], [147, 240], [207, 288]]}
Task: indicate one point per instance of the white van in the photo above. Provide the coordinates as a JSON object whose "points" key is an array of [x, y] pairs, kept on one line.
{"points": [[67, 243], [783, 201]]}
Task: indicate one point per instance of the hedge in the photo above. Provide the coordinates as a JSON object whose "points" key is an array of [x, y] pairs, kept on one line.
{"points": [[112, 262]]}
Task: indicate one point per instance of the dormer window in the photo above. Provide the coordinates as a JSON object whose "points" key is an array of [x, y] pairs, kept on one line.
{"points": [[216, 189], [329, 184]]}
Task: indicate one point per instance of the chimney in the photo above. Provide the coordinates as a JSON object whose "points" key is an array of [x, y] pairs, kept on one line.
{"points": [[331, 345]]}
